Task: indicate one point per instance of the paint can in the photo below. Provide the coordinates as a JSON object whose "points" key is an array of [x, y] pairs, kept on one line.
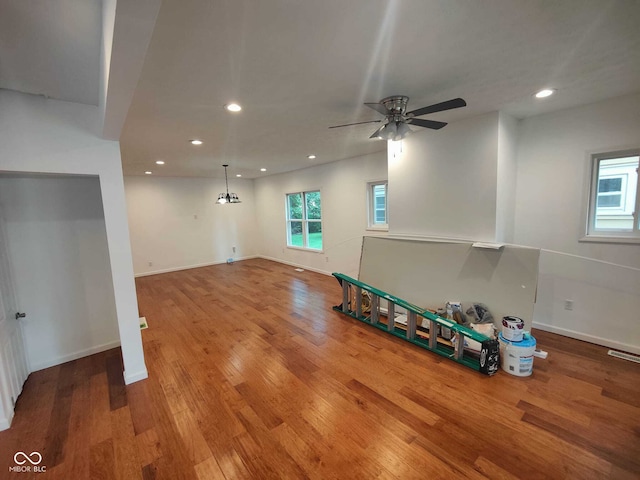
{"points": [[516, 358], [512, 328]]}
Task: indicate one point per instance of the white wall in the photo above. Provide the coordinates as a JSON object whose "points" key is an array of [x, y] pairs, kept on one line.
{"points": [[606, 300], [506, 178], [444, 182], [58, 244], [175, 222], [601, 279], [48, 136], [553, 175], [546, 158], [343, 187]]}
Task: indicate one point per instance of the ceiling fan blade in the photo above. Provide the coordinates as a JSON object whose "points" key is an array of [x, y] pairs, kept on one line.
{"points": [[377, 132], [357, 123], [426, 123], [439, 107], [378, 107]]}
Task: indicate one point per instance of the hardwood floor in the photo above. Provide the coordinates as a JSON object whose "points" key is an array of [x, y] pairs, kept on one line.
{"points": [[252, 375]]}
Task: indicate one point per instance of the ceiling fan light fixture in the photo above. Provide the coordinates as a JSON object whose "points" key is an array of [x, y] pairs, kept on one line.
{"points": [[227, 197], [389, 131], [403, 131]]}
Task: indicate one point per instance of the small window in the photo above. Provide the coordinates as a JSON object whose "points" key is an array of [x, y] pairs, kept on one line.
{"points": [[614, 198], [610, 192], [377, 205], [304, 220]]}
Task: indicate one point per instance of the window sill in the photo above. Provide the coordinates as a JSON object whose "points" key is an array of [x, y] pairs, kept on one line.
{"points": [[609, 239], [303, 249], [378, 229]]}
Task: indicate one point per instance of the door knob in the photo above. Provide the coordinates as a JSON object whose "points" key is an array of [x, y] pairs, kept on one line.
{"points": [[20, 315]]}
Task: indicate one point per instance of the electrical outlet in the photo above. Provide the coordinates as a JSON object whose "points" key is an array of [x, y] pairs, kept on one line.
{"points": [[151, 264], [568, 304], [234, 249], [327, 259]]}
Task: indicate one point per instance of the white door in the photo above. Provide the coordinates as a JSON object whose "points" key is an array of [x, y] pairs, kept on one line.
{"points": [[13, 361]]}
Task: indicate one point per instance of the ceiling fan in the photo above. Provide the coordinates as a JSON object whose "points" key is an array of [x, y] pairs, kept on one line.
{"points": [[394, 108]]}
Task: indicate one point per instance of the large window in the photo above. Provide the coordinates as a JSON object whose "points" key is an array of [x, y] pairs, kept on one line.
{"points": [[304, 220], [377, 205], [614, 198]]}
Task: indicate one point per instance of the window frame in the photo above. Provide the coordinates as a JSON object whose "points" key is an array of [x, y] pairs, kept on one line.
{"points": [[304, 220], [371, 206], [592, 234]]}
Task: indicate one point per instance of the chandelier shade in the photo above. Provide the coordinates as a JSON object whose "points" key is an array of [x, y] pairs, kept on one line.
{"points": [[227, 197]]}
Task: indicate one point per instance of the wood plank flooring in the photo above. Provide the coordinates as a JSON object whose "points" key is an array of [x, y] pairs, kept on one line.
{"points": [[252, 375]]}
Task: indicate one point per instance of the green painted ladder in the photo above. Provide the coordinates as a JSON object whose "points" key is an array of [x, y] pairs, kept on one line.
{"points": [[487, 361]]}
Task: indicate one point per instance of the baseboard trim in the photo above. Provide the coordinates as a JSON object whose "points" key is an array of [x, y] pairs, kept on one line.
{"points": [[605, 342], [135, 377], [188, 267], [74, 356], [298, 265]]}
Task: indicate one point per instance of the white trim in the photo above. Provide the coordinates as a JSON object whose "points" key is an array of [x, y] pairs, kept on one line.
{"points": [[74, 356], [135, 377], [189, 267], [305, 249], [299, 265], [604, 262], [588, 338], [609, 239], [425, 238]]}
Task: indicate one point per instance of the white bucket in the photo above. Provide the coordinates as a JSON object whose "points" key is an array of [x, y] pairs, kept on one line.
{"points": [[512, 328], [516, 358]]}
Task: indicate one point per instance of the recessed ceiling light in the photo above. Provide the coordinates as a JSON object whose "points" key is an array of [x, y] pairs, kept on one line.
{"points": [[159, 162], [238, 175], [195, 142], [233, 107], [147, 172], [545, 93], [311, 157], [263, 169]]}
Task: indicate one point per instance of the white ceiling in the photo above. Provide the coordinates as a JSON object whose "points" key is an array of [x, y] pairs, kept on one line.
{"points": [[298, 67], [51, 48]]}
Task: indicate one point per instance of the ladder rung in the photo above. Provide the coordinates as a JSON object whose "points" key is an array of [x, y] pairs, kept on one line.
{"points": [[391, 315], [433, 334], [345, 296], [411, 325], [375, 311], [459, 348]]}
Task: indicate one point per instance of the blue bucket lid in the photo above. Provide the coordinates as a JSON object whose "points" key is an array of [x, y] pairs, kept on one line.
{"points": [[528, 340]]}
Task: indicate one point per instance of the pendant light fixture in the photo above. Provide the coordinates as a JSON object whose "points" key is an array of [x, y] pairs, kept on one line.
{"points": [[227, 197]]}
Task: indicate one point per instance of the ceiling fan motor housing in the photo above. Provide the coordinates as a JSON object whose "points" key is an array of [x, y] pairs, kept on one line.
{"points": [[396, 104]]}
